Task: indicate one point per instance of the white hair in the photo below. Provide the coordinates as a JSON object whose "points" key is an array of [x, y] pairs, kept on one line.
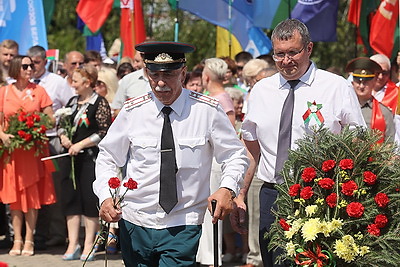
{"points": [[217, 68], [381, 59]]}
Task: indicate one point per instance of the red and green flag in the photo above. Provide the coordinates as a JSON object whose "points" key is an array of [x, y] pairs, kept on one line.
{"points": [[93, 13], [52, 54]]}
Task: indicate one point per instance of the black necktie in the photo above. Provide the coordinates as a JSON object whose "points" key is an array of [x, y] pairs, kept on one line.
{"points": [[168, 169], [285, 131], [37, 81]]}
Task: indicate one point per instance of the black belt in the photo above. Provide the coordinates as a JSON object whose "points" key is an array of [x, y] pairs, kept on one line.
{"points": [[269, 185]]}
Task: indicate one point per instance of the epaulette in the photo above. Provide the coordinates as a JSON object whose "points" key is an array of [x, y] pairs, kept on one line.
{"points": [[133, 102], [204, 98]]}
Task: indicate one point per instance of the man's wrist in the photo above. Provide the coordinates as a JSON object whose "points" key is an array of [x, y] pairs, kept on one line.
{"points": [[233, 194]]}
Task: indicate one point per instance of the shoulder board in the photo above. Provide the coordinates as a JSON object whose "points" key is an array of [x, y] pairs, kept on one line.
{"points": [[133, 102], [204, 98]]}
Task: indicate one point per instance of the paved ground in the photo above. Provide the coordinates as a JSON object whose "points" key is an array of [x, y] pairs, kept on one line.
{"points": [[52, 258]]}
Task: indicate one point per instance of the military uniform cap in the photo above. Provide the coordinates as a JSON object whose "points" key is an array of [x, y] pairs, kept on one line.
{"points": [[363, 68], [164, 56]]}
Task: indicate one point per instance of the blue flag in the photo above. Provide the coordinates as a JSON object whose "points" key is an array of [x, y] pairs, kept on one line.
{"points": [[320, 16], [238, 19], [23, 22]]}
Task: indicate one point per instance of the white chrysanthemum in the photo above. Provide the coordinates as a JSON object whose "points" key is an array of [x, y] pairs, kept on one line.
{"points": [[336, 224], [310, 210], [310, 229], [364, 250], [325, 228], [291, 249], [62, 112]]}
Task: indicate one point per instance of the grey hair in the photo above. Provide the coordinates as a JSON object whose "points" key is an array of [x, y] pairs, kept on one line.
{"points": [[217, 68], [254, 67], [37, 51], [286, 29], [234, 93]]}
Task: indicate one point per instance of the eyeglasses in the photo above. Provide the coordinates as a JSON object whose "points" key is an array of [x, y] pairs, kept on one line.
{"points": [[25, 66], [291, 54], [100, 83], [77, 63]]}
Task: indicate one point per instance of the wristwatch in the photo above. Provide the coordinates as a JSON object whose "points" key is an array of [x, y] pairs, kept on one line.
{"points": [[233, 194]]}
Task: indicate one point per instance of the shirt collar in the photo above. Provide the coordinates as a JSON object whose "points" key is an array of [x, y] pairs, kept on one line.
{"points": [[307, 77], [177, 106]]}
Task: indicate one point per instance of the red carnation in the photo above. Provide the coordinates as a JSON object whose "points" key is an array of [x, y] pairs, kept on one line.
{"points": [[381, 220], [370, 159], [349, 187], [29, 123], [284, 224], [22, 117], [381, 199], [28, 137], [114, 182], [36, 117], [308, 174], [328, 165], [306, 192], [131, 184], [21, 133], [355, 209], [331, 200], [326, 183], [373, 229], [346, 164], [294, 190], [43, 129], [369, 177]]}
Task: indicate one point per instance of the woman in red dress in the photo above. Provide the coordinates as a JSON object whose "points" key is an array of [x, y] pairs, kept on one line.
{"points": [[25, 184]]}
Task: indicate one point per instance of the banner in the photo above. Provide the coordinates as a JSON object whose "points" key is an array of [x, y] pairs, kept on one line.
{"points": [[381, 36], [94, 12], [223, 49], [237, 18], [315, 13], [23, 22]]}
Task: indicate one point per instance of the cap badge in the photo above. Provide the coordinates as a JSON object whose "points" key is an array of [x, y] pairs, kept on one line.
{"points": [[163, 57]]}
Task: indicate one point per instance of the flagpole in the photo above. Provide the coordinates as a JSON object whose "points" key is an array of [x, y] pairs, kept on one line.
{"points": [[176, 22], [230, 28]]}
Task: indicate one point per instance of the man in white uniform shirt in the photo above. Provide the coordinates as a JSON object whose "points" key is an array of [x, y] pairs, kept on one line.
{"points": [[162, 227], [51, 221], [315, 91]]}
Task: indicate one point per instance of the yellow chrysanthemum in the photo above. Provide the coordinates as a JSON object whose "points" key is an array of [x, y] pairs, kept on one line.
{"points": [[291, 249], [296, 213], [336, 224], [310, 210], [310, 229], [364, 250], [346, 248], [325, 228]]}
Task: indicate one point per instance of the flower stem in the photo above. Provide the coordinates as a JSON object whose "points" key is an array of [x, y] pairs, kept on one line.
{"points": [[72, 174]]}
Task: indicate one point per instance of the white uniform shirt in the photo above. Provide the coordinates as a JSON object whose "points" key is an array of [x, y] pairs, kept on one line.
{"points": [[58, 90], [131, 85], [200, 131], [340, 107]]}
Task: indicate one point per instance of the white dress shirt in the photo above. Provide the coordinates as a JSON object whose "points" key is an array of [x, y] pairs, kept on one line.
{"points": [[200, 131], [340, 107], [131, 85], [58, 90]]}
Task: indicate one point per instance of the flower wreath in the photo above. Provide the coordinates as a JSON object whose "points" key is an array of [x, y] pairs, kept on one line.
{"points": [[339, 205]]}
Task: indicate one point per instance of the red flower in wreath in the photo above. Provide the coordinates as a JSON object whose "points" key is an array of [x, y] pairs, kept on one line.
{"points": [[285, 226], [373, 229], [294, 190], [369, 177], [29, 122], [381, 220], [382, 200], [308, 174], [346, 164], [349, 187], [326, 183], [355, 209], [306, 192], [114, 183], [22, 116], [328, 165], [331, 200]]}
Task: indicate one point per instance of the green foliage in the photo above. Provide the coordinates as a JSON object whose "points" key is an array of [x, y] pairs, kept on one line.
{"points": [[358, 145]]}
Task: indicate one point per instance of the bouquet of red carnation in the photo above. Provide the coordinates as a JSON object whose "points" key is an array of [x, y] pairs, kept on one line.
{"points": [[29, 130], [339, 205]]}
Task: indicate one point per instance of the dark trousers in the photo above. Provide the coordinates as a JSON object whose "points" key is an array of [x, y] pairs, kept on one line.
{"points": [[145, 247], [267, 199]]}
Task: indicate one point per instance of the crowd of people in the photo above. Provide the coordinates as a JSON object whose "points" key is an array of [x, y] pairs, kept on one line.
{"points": [[117, 115]]}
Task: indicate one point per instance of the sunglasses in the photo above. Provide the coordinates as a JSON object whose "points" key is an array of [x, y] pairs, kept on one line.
{"points": [[77, 63], [25, 66], [384, 73]]}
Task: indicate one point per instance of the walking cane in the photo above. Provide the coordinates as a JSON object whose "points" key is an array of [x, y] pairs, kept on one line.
{"points": [[215, 233]]}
